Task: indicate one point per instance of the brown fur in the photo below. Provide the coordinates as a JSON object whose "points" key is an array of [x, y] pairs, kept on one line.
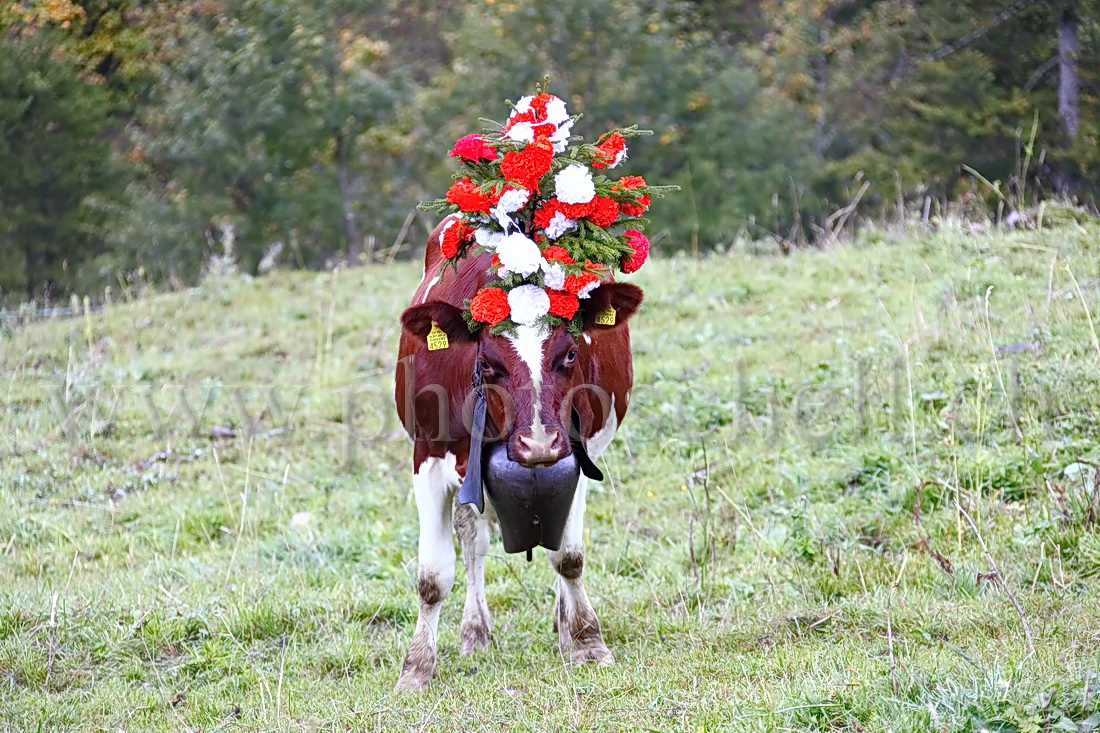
{"points": [[431, 592], [569, 564]]}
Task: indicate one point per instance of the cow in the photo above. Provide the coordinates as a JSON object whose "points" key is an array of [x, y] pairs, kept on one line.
{"points": [[531, 379]]}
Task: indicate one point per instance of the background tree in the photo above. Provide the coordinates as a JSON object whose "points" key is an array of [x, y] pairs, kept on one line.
{"points": [[317, 126], [254, 137], [56, 177]]}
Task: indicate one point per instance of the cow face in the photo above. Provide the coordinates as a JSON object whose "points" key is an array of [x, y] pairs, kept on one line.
{"points": [[531, 375]]}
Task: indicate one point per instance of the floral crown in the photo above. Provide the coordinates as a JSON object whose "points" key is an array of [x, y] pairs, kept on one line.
{"points": [[555, 223]]}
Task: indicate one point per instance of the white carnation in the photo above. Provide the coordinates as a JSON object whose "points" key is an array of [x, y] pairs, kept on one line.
{"points": [[560, 138], [523, 132], [555, 111], [528, 303], [559, 225], [553, 275], [519, 254], [511, 201], [487, 238], [619, 157], [587, 289], [523, 105], [574, 185]]}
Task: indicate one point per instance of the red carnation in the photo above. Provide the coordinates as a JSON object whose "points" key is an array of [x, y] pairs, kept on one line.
{"points": [[473, 148], [527, 166], [538, 129], [490, 305], [638, 242], [562, 303], [576, 211], [576, 283], [610, 151], [603, 211], [546, 211], [466, 194], [554, 252], [538, 104], [516, 118], [457, 232], [627, 183]]}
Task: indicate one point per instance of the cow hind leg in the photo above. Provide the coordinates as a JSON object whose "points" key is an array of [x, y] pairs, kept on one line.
{"points": [[473, 535], [574, 618], [436, 572]]}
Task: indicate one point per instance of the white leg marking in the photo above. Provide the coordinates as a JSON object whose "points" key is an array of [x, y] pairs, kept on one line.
{"points": [[528, 342], [433, 488], [473, 533], [575, 619]]}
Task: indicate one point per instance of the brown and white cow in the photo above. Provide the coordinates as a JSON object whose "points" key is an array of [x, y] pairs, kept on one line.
{"points": [[532, 379]]}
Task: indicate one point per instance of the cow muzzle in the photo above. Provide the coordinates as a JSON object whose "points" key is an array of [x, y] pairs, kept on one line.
{"points": [[535, 451]]}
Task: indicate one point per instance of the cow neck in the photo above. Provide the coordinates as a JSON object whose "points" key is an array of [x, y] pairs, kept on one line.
{"points": [[472, 491]]}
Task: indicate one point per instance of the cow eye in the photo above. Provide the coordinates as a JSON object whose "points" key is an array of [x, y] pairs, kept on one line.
{"points": [[570, 357], [485, 367]]}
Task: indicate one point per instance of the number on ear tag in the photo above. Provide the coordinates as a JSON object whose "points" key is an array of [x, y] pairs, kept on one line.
{"points": [[437, 338], [606, 317]]}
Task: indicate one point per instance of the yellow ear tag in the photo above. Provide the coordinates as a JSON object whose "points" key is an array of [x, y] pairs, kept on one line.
{"points": [[437, 338], [606, 317]]}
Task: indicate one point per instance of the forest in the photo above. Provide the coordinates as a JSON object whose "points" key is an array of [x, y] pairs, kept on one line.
{"points": [[144, 142]]}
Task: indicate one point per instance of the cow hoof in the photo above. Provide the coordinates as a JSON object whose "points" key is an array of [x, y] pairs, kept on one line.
{"points": [[412, 680], [598, 653], [416, 674], [475, 637]]}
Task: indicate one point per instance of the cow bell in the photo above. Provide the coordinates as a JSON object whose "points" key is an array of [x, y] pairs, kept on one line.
{"points": [[531, 504]]}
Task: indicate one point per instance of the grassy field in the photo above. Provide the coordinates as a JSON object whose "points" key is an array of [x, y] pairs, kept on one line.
{"points": [[858, 491]]}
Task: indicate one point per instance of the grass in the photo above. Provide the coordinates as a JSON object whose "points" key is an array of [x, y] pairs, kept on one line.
{"points": [[784, 539]]}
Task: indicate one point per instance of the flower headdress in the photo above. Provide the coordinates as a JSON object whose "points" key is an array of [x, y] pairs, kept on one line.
{"points": [[553, 219]]}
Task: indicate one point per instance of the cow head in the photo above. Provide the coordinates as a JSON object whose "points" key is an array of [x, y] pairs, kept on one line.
{"points": [[531, 375]]}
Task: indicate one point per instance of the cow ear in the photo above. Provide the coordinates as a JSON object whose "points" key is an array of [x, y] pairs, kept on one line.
{"points": [[611, 305], [418, 320]]}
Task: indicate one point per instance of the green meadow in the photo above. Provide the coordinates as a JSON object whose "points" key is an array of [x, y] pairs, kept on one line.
{"points": [[858, 490]]}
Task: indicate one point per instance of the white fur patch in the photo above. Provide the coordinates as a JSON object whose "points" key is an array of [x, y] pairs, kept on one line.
{"points": [[528, 342], [433, 484], [428, 290], [602, 438]]}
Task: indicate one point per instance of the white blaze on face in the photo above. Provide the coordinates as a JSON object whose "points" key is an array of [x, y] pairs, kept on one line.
{"points": [[528, 342]]}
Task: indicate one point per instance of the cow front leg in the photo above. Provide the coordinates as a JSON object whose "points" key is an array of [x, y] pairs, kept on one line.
{"points": [[472, 529], [574, 618], [436, 573]]}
